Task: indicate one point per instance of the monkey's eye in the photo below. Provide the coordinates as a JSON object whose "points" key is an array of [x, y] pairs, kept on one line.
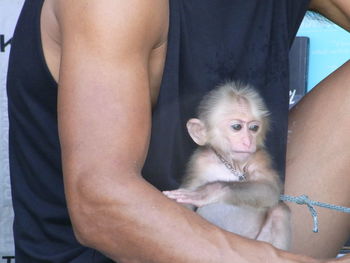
{"points": [[236, 127], [254, 127]]}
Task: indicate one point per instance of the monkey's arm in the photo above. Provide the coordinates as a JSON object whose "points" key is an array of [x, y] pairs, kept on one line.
{"points": [[257, 194], [337, 11], [262, 189]]}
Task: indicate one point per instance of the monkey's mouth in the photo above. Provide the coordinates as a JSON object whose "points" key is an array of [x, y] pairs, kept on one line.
{"points": [[244, 152]]}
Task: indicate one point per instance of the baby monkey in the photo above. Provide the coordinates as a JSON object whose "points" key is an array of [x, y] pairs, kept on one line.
{"points": [[229, 179]]}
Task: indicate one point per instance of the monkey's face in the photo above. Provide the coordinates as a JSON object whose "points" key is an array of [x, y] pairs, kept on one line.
{"points": [[236, 131]]}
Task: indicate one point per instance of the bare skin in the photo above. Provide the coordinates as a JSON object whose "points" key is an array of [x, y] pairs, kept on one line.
{"points": [[318, 155], [108, 61], [318, 164]]}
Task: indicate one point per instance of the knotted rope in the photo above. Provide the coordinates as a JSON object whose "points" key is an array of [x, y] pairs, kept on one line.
{"points": [[304, 200]]}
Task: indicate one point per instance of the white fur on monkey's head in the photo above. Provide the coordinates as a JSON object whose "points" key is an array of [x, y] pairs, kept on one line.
{"points": [[230, 93]]}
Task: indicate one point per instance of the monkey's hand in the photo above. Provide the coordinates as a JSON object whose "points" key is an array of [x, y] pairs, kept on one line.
{"points": [[203, 195]]}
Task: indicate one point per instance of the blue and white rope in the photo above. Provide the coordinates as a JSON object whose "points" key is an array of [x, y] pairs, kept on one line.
{"points": [[304, 200]]}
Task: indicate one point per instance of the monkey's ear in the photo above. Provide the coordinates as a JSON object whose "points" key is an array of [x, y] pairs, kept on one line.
{"points": [[197, 131]]}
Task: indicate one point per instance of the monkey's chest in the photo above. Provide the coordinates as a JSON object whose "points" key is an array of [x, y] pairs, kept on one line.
{"points": [[218, 173], [245, 221]]}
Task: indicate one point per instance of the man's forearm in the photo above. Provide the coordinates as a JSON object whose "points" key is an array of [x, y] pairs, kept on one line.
{"points": [[130, 221]]}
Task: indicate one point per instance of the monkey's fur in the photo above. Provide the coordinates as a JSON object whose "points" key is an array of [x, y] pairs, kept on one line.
{"points": [[231, 127]]}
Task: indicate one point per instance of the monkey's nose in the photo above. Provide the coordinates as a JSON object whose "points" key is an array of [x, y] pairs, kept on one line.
{"points": [[247, 141]]}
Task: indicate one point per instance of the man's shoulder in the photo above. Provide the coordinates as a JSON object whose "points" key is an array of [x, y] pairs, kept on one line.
{"points": [[146, 19]]}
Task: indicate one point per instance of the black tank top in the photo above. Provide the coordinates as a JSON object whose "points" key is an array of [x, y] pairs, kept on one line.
{"points": [[209, 42]]}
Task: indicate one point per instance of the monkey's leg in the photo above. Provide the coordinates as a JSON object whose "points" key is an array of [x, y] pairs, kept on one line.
{"points": [[318, 164], [277, 228]]}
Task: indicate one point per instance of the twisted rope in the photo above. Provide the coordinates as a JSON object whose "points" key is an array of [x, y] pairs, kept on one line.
{"points": [[304, 200]]}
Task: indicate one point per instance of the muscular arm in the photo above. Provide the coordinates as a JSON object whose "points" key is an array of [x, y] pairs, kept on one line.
{"points": [[337, 11], [104, 124], [104, 116]]}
